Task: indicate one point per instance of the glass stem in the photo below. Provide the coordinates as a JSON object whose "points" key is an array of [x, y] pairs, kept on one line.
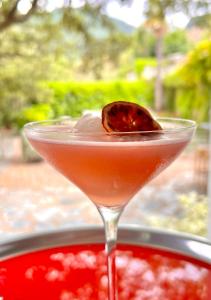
{"points": [[110, 216]]}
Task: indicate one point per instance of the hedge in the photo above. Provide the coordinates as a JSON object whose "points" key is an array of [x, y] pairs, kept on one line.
{"points": [[72, 98]]}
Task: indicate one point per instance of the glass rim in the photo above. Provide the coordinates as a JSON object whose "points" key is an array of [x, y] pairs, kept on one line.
{"points": [[38, 127]]}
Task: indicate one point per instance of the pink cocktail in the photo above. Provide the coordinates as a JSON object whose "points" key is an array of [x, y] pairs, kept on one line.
{"points": [[110, 172], [110, 168]]}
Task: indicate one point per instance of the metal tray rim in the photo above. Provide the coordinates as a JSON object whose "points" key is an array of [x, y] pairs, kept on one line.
{"points": [[181, 243]]}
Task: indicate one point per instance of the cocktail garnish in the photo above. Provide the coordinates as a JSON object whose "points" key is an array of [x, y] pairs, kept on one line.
{"points": [[122, 116]]}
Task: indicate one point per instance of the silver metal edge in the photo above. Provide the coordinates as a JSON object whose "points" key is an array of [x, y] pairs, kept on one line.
{"points": [[188, 245]]}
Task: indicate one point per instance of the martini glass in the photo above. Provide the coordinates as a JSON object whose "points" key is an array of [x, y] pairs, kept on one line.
{"points": [[110, 168]]}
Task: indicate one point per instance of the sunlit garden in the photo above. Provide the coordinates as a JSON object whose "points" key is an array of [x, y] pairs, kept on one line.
{"points": [[71, 58]]}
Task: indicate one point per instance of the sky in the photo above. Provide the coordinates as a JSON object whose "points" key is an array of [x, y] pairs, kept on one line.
{"points": [[131, 14]]}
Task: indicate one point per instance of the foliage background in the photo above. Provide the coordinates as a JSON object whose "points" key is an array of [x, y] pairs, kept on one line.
{"points": [[190, 84], [65, 61]]}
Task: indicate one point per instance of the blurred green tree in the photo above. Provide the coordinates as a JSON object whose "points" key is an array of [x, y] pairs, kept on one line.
{"points": [[176, 41], [50, 48], [10, 13], [99, 55], [143, 43], [191, 82], [156, 12]]}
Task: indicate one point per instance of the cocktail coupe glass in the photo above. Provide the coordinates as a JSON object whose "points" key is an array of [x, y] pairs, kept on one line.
{"points": [[110, 168]]}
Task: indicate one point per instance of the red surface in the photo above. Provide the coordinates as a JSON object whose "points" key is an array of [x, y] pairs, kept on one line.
{"points": [[79, 272]]}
